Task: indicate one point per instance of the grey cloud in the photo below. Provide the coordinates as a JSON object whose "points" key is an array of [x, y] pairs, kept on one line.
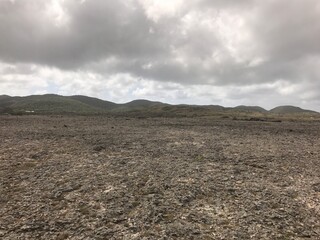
{"points": [[96, 30], [218, 4], [214, 42], [288, 29], [99, 30]]}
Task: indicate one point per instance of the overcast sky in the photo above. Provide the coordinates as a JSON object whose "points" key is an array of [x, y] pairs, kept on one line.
{"points": [[226, 52]]}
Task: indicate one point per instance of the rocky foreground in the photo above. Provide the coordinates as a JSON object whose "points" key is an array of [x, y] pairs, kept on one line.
{"points": [[120, 178]]}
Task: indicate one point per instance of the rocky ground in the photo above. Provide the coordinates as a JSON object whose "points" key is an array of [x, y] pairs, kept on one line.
{"points": [[126, 178]]}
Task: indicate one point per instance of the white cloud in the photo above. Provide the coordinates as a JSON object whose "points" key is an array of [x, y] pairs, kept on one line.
{"points": [[157, 9], [57, 13]]}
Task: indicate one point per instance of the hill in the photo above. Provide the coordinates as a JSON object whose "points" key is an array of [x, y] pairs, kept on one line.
{"points": [[289, 110], [4, 96], [139, 105], [243, 108], [45, 104], [56, 104], [142, 103]]}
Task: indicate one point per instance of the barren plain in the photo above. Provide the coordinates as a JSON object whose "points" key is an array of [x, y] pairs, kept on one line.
{"points": [[73, 177]]}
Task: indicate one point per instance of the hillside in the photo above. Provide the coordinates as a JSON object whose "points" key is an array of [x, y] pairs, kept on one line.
{"points": [[95, 102]]}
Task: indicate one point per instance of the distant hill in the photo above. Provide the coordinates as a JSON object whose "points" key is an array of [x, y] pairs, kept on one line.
{"points": [[289, 109], [56, 104], [4, 96], [243, 108], [48, 103], [139, 104], [52, 103], [142, 103]]}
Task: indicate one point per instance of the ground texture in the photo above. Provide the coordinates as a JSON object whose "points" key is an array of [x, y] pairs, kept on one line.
{"points": [[121, 178]]}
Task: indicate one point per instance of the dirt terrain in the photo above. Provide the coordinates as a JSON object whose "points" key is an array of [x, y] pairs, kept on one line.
{"points": [[64, 177]]}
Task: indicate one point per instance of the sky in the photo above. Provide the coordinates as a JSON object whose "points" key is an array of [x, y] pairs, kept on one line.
{"points": [[224, 52]]}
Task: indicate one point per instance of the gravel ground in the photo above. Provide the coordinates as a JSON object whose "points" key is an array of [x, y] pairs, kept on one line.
{"points": [[185, 178]]}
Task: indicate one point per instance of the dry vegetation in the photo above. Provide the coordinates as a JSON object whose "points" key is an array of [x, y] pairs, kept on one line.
{"points": [[158, 178]]}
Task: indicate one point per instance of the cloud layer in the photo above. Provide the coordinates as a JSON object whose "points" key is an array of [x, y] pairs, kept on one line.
{"points": [[205, 51]]}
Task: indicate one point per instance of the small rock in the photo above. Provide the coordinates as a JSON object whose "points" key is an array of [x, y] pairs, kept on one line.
{"points": [[2, 233], [316, 187], [99, 148]]}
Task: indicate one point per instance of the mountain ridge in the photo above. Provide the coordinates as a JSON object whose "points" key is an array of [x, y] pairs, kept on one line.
{"points": [[53, 103]]}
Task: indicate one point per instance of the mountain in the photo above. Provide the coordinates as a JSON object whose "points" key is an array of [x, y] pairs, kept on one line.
{"points": [[289, 109]]}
